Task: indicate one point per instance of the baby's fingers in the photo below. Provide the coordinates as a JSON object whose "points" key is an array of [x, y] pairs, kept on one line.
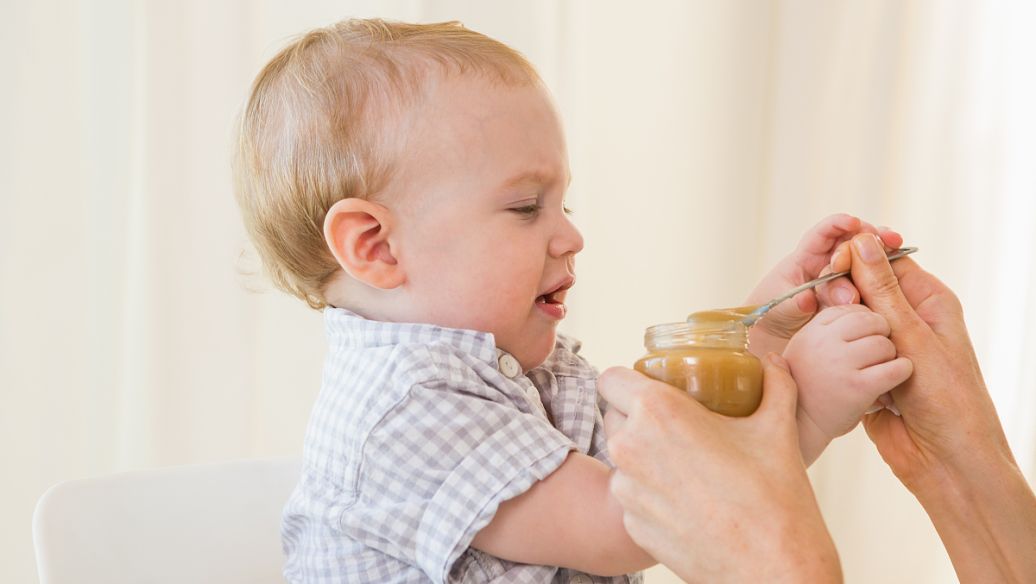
{"points": [[861, 323], [877, 406], [883, 402], [823, 236], [885, 376], [872, 350], [890, 239], [841, 257]]}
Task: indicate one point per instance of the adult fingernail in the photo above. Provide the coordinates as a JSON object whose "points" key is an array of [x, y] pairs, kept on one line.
{"points": [[777, 360], [868, 247]]}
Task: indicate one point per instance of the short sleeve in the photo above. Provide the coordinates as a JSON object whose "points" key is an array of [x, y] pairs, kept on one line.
{"points": [[436, 467]]}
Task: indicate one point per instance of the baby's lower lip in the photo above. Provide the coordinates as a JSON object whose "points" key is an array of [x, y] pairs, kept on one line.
{"points": [[555, 311]]}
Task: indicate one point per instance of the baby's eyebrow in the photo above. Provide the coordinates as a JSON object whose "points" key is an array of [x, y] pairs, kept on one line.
{"points": [[531, 178]]}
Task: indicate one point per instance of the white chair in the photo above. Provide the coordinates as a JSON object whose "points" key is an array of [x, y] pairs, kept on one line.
{"points": [[204, 523]]}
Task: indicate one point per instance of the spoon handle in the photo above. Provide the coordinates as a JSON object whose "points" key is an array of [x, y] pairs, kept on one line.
{"points": [[758, 313]]}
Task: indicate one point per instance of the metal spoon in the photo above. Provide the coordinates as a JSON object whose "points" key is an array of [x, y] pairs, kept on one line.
{"points": [[758, 313]]}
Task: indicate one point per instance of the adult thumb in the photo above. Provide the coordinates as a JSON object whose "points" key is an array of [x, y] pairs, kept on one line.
{"points": [[879, 288], [780, 392]]}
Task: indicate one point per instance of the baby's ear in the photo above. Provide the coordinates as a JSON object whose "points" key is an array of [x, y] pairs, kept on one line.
{"points": [[358, 233]]}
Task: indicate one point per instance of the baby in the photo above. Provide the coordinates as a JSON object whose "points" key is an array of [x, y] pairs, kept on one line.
{"points": [[409, 180]]}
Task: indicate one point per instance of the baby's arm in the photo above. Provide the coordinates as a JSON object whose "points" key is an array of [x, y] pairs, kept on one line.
{"points": [[842, 361], [568, 519]]}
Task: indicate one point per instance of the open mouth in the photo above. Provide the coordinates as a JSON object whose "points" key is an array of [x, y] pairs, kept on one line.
{"points": [[552, 298], [557, 295]]}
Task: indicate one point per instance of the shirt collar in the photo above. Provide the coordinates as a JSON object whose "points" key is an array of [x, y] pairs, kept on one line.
{"points": [[346, 329]]}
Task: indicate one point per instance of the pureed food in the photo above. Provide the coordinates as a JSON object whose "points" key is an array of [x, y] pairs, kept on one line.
{"points": [[707, 356]]}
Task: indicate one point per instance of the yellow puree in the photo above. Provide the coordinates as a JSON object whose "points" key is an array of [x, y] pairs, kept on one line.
{"points": [[724, 379]]}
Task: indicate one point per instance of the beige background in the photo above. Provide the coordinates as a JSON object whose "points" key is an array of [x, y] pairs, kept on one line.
{"points": [[705, 138]]}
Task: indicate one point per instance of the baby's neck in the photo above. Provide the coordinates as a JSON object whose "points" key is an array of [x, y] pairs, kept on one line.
{"points": [[370, 303]]}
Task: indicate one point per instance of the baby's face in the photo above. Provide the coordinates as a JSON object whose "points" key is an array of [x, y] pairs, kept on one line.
{"points": [[483, 231]]}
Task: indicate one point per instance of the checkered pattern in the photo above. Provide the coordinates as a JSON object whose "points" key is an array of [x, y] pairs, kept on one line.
{"points": [[414, 441]]}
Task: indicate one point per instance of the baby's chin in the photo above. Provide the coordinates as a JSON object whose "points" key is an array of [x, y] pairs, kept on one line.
{"points": [[536, 353]]}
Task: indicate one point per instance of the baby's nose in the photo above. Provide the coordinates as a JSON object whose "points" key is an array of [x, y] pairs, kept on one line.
{"points": [[568, 240]]}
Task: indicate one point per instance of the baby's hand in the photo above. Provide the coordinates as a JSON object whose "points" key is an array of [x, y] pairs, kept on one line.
{"points": [[842, 361], [810, 260]]}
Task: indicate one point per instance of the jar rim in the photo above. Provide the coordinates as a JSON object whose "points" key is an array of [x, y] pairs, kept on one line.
{"points": [[733, 334], [696, 327]]}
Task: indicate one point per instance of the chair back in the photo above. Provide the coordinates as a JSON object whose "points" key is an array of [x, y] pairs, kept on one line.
{"points": [[202, 523]]}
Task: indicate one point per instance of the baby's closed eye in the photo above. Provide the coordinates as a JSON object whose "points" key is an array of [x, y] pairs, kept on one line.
{"points": [[527, 210]]}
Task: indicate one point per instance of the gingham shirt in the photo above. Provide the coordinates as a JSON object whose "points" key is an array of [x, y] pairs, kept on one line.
{"points": [[417, 436]]}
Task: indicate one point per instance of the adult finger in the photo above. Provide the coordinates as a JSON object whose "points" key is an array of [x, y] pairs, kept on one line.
{"points": [[780, 393], [879, 287], [841, 257], [619, 386], [935, 303], [613, 422]]}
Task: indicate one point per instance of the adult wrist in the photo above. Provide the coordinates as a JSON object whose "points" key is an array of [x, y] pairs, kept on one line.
{"points": [[965, 474], [987, 522], [809, 554]]}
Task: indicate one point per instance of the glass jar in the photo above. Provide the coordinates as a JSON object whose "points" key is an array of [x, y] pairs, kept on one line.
{"points": [[709, 359]]}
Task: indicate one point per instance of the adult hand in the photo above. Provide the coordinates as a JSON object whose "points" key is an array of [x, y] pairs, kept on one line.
{"points": [[948, 447], [945, 403], [809, 260], [714, 498]]}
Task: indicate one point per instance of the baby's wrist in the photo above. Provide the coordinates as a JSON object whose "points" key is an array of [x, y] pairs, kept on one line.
{"points": [[812, 438]]}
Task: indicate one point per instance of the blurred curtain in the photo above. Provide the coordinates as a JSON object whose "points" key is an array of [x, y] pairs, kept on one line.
{"points": [[711, 135], [705, 138], [923, 113]]}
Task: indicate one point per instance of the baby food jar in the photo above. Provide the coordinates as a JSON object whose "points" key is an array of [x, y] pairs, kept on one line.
{"points": [[708, 359]]}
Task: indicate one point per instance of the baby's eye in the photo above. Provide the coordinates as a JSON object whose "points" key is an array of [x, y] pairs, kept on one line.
{"points": [[567, 210], [527, 210]]}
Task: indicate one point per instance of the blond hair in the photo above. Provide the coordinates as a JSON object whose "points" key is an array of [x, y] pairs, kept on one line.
{"points": [[320, 125]]}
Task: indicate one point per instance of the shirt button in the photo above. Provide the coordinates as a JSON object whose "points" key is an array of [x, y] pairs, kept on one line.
{"points": [[580, 579], [509, 365], [533, 395]]}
